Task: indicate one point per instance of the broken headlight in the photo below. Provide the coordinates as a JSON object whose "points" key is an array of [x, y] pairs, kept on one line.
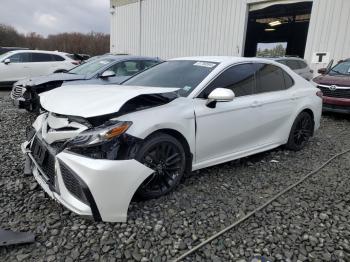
{"points": [[99, 135]]}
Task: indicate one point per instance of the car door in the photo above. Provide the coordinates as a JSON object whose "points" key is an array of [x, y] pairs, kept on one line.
{"points": [[17, 69], [41, 64], [230, 127], [275, 100]]}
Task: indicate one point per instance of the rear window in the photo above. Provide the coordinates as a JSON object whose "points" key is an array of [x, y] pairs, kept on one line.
{"points": [[293, 64]]}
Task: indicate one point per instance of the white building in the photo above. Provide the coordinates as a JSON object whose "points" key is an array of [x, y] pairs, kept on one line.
{"points": [[174, 28]]}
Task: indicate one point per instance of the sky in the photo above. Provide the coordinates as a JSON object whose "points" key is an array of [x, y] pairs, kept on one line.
{"points": [[55, 16]]}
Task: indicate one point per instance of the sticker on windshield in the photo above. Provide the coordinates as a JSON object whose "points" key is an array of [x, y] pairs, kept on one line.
{"points": [[205, 64]]}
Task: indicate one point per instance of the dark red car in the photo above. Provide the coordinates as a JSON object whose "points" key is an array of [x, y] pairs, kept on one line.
{"points": [[334, 83]]}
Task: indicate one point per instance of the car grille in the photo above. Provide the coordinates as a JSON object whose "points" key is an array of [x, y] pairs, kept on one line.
{"points": [[72, 183], [338, 93], [17, 92], [48, 164]]}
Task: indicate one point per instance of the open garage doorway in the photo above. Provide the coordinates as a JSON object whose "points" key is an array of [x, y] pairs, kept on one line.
{"points": [[278, 30]]}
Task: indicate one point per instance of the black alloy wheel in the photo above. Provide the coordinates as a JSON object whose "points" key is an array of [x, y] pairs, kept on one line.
{"points": [[301, 131], [166, 156]]}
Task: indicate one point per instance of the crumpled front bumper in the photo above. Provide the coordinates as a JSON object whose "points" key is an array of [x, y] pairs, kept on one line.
{"points": [[107, 185]]}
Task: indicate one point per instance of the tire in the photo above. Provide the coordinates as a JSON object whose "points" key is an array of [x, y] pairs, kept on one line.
{"points": [[166, 155], [301, 131]]}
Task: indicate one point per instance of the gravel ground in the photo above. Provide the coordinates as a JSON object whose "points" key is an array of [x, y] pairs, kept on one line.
{"points": [[309, 223]]}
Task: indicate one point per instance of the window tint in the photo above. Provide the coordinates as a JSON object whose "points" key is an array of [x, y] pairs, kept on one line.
{"points": [[41, 57], [293, 64], [240, 79], [288, 80], [57, 58], [20, 58], [127, 68], [148, 64], [269, 78]]}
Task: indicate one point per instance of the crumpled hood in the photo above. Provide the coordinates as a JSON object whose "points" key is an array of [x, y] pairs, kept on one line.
{"points": [[34, 81], [338, 80], [93, 100]]}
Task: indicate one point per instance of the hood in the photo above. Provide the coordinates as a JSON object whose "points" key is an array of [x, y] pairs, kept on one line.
{"points": [[34, 81], [94, 100], [339, 80]]}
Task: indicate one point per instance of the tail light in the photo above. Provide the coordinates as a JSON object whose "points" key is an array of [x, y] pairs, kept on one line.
{"points": [[75, 62], [319, 94]]}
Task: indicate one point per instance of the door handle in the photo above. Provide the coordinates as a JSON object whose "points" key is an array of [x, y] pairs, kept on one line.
{"points": [[255, 104]]}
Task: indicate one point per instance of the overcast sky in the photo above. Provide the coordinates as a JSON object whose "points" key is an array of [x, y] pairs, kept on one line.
{"points": [[56, 16]]}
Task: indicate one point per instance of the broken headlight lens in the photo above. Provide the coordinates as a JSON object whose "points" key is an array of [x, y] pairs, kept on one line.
{"points": [[99, 135]]}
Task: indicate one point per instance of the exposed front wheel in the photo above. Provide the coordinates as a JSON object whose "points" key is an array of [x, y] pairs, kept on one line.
{"points": [[301, 132], [166, 156]]}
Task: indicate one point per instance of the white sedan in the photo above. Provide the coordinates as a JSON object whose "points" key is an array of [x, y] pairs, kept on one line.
{"points": [[98, 146]]}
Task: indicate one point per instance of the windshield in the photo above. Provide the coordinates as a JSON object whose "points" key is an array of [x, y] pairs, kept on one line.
{"points": [[91, 67], [4, 55], [183, 74], [342, 68]]}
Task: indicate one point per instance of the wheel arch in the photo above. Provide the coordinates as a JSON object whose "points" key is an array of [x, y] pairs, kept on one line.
{"points": [[181, 138]]}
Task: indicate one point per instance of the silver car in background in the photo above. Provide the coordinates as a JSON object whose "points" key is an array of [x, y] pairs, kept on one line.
{"points": [[298, 65]]}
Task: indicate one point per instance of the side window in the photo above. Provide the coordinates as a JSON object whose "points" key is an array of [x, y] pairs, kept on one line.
{"points": [[148, 64], [240, 79], [57, 58], [269, 78], [293, 64], [41, 57], [288, 80], [19, 58], [127, 68]]}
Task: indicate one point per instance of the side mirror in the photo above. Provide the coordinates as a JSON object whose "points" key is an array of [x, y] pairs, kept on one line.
{"points": [[322, 71], [108, 73], [220, 95], [7, 61]]}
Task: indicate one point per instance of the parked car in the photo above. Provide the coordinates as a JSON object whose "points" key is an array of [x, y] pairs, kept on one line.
{"points": [[93, 150], [334, 82], [104, 70], [5, 49], [298, 65], [20, 64]]}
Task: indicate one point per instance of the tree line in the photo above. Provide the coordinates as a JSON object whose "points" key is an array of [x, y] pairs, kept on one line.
{"points": [[91, 43]]}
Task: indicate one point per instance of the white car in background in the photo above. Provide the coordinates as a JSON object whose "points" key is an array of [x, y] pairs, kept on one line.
{"points": [[96, 146], [21, 64]]}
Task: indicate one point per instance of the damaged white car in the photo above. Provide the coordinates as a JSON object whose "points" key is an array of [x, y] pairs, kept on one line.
{"points": [[96, 147]]}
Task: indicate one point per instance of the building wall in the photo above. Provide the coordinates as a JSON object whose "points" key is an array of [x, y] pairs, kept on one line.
{"points": [[173, 28], [329, 30]]}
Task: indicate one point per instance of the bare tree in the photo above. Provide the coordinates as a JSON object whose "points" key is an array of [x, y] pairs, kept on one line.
{"points": [[92, 43]]}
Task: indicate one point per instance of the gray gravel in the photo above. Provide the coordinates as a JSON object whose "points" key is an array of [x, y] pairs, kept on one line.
{"points": [[310, 222]]}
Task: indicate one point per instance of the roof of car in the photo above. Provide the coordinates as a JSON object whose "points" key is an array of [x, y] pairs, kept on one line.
{"points": [[127, 57], [223, 59], [38, 51], [285, 58]]}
